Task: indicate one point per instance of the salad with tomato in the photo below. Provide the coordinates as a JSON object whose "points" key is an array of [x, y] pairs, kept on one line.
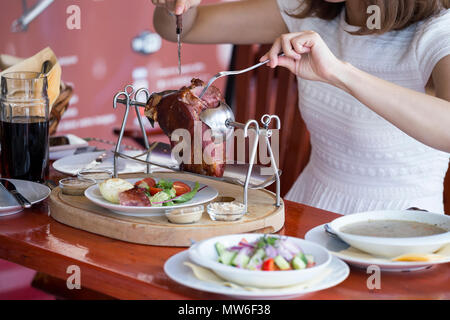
{"points": [[148, 192], [268, 253]]}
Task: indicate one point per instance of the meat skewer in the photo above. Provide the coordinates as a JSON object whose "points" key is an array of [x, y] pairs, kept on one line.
{"points": [[181, 110]]}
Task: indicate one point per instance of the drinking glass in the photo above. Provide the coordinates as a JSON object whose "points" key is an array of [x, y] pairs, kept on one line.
{"points": [[24, 126]]}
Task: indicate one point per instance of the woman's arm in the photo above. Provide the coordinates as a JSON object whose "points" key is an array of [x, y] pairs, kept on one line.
{"points": [[239, 22], [423, 117]]}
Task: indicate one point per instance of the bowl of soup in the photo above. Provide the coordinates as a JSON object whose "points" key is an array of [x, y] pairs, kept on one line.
{"points": [[393, 233]]}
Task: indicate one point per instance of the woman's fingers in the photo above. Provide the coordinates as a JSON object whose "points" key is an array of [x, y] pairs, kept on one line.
{"points": [[287, 46], [292, 44], [299, 47], [180, 7], [315, 65], [175, 6], [305, 41], [272, 55], [288, 63]]}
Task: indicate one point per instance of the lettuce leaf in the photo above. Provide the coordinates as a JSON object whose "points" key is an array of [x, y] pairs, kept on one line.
{"points": [[187, 196]]}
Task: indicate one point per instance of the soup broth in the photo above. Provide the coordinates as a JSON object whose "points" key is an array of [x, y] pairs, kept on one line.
{"points": [[392, 229]]}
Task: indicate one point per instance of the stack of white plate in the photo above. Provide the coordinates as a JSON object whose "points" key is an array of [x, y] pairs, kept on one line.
{"points": [[269, 284]]}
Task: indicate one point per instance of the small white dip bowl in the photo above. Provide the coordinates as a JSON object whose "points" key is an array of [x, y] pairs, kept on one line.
{"points": [[393, 247]]}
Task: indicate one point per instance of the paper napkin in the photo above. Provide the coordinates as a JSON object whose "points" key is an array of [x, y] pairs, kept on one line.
{"points": [[207, 275], [34, 64]]}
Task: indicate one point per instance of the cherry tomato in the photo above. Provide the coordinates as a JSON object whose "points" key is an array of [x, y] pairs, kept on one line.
{"points": [[269, 265], [243, 241], [146, 183], [154, 191], [181, 188]]}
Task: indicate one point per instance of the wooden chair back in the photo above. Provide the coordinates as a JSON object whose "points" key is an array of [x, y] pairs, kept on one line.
{"points": [[274, 91]]}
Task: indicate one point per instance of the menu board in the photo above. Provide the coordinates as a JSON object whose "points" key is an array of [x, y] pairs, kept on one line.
{"points": [[102, 46]]}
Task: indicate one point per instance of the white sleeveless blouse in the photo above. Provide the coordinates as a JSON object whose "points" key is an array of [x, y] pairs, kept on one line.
{"points": [[360, 161]]}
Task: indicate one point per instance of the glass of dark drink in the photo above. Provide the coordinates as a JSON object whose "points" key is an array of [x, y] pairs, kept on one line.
{"points": [[24, 126]]}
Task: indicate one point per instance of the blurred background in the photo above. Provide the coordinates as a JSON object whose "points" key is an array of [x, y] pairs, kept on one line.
{"points": [[115, 46]]}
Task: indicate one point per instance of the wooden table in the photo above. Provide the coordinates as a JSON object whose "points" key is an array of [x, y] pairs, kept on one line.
{"points": [[129, 271]]}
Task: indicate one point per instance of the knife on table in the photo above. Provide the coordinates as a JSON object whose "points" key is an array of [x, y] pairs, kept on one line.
{"points": [[11, 188]]}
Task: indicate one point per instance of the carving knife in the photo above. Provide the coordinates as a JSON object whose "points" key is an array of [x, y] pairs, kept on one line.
{"points": [[179, 31], [12, 189]]}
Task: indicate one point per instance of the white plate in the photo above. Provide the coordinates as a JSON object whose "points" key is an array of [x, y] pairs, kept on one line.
{"points": [[71, 165], [334, 245], [204, 254], [178, 272], [394, 247], [58, 152], [206, 195], [33, 191]]}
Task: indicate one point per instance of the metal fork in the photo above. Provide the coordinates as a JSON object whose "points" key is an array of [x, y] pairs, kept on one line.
{"points": [[232, 73]]}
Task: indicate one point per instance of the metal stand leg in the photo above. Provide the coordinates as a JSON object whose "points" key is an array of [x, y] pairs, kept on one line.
{"points": [[127, 94], [266, 120], [251, 159], [141, 125]]}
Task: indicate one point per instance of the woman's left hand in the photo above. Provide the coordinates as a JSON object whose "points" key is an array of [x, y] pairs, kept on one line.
{"points": [[306, 55]]}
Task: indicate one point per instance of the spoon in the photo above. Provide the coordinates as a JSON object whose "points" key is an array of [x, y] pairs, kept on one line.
{"points": [[218, 119]]}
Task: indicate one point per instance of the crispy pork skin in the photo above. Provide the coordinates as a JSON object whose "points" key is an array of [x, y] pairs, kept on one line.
{"points": [[180, 111]]}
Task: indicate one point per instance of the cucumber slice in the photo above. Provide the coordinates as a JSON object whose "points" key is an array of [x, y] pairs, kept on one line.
{"points": [[303, 257], [226, 257], [282, 263], [298, 263], [241, 260], [220, 248], [256, 259]]}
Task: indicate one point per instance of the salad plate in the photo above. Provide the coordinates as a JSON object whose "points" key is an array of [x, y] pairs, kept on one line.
{"points": [[252, 254], [204, 195], [182, 274], [334, 245]]}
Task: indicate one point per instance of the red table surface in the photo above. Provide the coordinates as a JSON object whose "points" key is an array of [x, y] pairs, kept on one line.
{"points": [[132, 271]]}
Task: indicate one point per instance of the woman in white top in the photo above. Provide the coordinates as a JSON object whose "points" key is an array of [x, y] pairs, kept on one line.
{"points": [[378, 140]]}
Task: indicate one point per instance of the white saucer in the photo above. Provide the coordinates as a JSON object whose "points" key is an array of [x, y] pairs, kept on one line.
{"points": [[33, 191], [334, 245], [71, 165], [178, 272]]}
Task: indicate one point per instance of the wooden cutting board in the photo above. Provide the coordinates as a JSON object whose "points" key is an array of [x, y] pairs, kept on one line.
{"points": [[81, 213]]}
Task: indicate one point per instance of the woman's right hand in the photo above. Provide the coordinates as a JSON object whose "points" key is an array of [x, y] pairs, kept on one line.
{"points": [[177, 6]]}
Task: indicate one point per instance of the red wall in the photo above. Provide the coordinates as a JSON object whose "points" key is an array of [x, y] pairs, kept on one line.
{"points": [[98, 59]]}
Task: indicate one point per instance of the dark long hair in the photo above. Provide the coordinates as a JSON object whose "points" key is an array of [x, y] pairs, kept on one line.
{"points": [[395, 14]]}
